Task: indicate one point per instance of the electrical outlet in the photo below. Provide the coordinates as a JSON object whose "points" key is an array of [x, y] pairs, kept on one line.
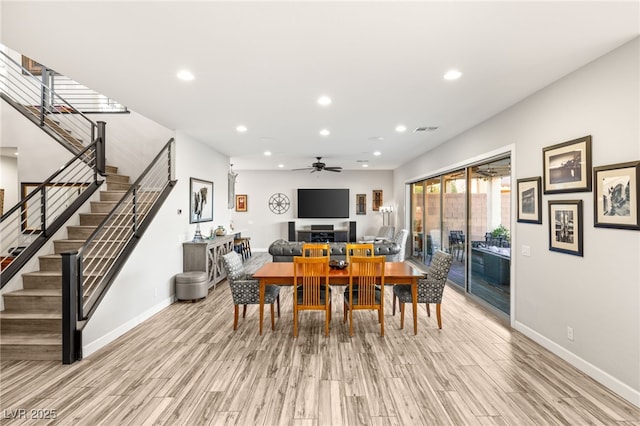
{"points": [[570, 333]]}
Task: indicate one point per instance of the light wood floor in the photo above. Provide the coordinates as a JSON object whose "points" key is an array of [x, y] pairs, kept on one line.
{"points": [[186, 366]]}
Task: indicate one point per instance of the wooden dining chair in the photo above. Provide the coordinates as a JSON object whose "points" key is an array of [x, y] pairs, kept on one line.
{"points": [[311, 288], [358, 249], [315, 250], [366, 287]]}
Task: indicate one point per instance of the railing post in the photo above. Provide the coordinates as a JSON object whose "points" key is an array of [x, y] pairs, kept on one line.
{"points": [[44, 96], [100, 147], [71, 337], [43, 211]]}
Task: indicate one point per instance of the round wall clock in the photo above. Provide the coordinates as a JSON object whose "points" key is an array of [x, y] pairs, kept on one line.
{"points": [[279, 203]]}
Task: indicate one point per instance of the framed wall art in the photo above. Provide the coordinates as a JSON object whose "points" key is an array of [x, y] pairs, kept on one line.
{"points": [[361, 203], [241, 203], [200, 201], [565, 226], [377, 200], [530, 200], [567, 166], [615, 196]]}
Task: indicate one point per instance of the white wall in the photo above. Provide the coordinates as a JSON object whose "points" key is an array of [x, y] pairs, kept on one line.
{"points": [[145, 284], [9, 181], [598, 294], [264, 226]]}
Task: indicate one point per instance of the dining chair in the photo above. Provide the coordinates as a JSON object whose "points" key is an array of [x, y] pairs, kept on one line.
{"points": [[245, 290], [315, 250], [358, 249], [311, 288], [430, 288], [365, 290]]}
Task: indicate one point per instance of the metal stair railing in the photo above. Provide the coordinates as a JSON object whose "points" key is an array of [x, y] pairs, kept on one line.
{"points": [[88, 272], [28, 225], [35, 99]]}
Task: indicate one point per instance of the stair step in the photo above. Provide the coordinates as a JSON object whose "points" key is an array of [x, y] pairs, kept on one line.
{"points": [[32, 347], [61, 246], [91, 219], [111, 195], [29, 322], [33, 300], [111, 170], [116, 178], [80, 232], [117, 186], [52, 280], [53, 263], [102, 206]]}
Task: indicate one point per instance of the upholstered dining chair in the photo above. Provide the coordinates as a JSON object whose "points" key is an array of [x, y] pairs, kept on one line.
{"points": [[245, 290], [315, 250], [311, 288], [430, 289], [365, 290]]}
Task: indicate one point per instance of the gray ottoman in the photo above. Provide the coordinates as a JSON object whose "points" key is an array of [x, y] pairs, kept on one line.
{"points": [[191, 285]]}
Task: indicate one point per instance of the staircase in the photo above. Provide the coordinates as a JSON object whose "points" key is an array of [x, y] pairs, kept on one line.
{"points": [[31, 324]]}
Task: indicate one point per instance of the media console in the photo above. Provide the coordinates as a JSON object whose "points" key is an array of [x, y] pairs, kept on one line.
{"points": [[323, 233]]}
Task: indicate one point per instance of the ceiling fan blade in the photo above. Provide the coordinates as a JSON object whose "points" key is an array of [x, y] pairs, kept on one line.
{"points": [[334, 169], [304, 168]]}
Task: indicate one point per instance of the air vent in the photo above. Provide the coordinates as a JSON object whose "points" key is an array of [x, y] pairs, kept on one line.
{"points": [[426, 129], [362, 161]]}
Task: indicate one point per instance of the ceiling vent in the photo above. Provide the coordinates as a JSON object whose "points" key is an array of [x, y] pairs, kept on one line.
{"points": [[426, 129]]}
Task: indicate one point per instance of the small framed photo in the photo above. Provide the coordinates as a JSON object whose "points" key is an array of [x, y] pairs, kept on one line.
{"points": [[361, 203], [567, 166], [615, 197], [530, 200], [200, 201], [241, 202], [565, 226]]}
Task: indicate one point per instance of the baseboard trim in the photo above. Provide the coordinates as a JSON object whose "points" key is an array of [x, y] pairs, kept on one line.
{"points": [[622, 389], [119, 331]]}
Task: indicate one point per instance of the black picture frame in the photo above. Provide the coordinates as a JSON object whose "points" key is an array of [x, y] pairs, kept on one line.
{"points": [[530, 200], [615, 196], [566, 227], [200, 200], [567, 166]]}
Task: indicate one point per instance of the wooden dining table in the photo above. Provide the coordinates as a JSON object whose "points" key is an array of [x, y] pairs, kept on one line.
{"points": [[281, 273]]}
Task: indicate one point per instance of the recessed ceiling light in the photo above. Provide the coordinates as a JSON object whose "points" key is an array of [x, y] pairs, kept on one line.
{"points": [[324, 100], [241, 128], [324, 132], [452, 75], [401, 128], [365, 165], [185, 75], [267, 153], [377, 153], [281, 166], [15, 153]]}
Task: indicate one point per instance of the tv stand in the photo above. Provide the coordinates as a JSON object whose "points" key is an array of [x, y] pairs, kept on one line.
{"points": [[324, 236]]}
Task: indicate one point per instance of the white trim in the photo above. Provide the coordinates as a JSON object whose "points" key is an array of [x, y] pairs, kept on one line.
{"points": [[119, 331], [620, 388]]}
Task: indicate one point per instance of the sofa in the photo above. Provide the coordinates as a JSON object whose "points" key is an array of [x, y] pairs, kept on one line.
{"points": [[284, 251]]}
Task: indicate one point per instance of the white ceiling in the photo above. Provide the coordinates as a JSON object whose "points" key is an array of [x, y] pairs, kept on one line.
{"points": [[263, 64]]}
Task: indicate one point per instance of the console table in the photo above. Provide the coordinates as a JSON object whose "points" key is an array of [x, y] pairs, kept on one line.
{"points": [[324, 235], [207, 256]]}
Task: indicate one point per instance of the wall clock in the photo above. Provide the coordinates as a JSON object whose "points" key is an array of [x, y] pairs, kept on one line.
{"points": [[279, 203]]}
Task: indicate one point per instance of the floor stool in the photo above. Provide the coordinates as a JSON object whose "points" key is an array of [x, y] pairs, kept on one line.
{"points": [[192, 285]]}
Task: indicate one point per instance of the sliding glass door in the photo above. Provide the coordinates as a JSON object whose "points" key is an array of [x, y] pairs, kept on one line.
{"points": [[467, 213]]}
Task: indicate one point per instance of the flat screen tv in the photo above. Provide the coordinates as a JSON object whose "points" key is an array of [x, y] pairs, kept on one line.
{"points": [[323, 203]]}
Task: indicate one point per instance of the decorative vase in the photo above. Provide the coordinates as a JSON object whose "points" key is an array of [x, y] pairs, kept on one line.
{"points": [[220, 231]]}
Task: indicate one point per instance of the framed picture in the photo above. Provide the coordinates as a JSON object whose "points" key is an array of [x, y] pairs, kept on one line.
{"points": [[361, 203], [32, 66], [615, 197], [565, 226], [200, 201], [241, 202], [377, 200], [567, 166], [530, 200]]}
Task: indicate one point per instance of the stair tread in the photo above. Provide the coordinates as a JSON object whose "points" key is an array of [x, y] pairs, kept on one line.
{"points": [[30, 315], [59, 273], [34, 292], [31, 339]]}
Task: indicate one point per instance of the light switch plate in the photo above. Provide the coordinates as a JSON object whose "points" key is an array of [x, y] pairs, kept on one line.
{"points": [[526, 250]]}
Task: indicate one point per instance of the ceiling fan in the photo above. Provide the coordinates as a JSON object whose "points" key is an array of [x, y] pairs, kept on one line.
{"points": [[319, 166]]}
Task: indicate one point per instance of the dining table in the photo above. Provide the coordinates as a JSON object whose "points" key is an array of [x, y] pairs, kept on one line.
{"points": [[282, 273]]}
